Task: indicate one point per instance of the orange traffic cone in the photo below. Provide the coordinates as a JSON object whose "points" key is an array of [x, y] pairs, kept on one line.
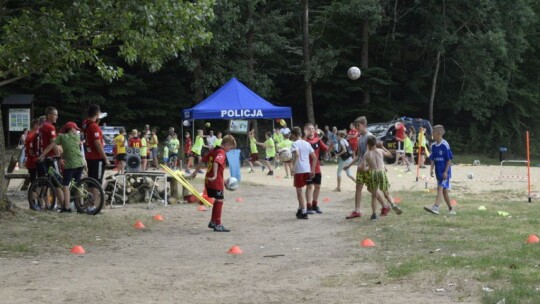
{"points": [[235, 250], [78, 249], [533, 239], [16, 166], [158, 217], [138, 225], [453, 203], [326, 199], [397, 200], [201, 208], [239, 199], [367, 243]]}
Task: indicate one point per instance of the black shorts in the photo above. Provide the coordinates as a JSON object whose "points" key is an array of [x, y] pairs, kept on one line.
{"points": [[217, 194], [315, 180], [96, 169], [121, 157], [43, 169], [269, 159], [70, 174], [408, 154], [144, 157], [33, 174], [188, 155], [173, 155]]}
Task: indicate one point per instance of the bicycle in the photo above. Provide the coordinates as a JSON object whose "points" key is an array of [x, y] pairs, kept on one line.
{"points": [[87, 194]]}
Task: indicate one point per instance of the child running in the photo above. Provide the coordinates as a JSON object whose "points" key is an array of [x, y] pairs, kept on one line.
{"points": [[213, 181], [441, 160], [254, 152], [302, 171], [286, 143], [374, 160]]}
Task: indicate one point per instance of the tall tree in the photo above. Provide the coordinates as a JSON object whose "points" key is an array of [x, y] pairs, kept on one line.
{"points": [[54, 37]]}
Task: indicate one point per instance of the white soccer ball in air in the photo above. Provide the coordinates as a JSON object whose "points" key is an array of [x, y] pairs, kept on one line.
{"points": [[186, 123], [232, 183], [285, 155], [354, 73], [470, 175]]}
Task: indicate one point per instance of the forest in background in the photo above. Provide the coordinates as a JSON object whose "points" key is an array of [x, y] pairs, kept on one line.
{"points": [[477, 62]]}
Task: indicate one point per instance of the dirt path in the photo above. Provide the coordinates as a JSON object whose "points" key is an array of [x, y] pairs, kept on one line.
{"points": [[182, 261]]}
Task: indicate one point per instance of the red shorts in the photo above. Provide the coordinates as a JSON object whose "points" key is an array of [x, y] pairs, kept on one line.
{"points": [[300, 180], [253, 157]]}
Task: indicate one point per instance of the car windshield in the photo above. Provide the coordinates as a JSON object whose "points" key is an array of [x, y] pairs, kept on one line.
{"points": [[378, 130]]}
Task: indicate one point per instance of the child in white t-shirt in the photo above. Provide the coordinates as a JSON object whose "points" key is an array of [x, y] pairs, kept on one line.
{"points": [[302, 170]]}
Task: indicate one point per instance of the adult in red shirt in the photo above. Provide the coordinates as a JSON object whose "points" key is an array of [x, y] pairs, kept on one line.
{"points": [[314, 184], [400, 138], [94, 153], [352, 138], [213, 181], [47, 134]]}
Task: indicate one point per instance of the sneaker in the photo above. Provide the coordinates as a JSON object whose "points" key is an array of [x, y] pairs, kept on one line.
{"points": [[298, 213], [385, 210], [353, 215], [452, 212], [309, 211], [187, 171], [64, 210], [221, 228], [211, 225], [396, 209], [200, 171], [91, 210], [316, 209], [302, 216], [270, 173], [373, 217], [433, 209], [36, 207]]}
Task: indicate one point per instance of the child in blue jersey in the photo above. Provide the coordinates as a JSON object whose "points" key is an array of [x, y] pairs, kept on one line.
{"points": [[441, 160]]}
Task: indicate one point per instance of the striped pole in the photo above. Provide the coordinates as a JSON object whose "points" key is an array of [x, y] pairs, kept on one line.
{"points": [[528, 166]]}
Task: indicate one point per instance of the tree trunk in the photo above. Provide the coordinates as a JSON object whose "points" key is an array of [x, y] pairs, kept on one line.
{"points": [[434, 86], [5, 204], [364, 63], [249, 41], [308, 85]]}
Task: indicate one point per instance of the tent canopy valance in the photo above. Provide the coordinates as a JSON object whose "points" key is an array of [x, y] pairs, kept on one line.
{"points": [[235, 101]]}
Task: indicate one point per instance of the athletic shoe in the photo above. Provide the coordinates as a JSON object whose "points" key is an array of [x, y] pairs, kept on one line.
{"points": [[385, 210], [310, 211], [211, 225], [353, 215], [433, 209], [452, 212], [187, 171], [397, 209], [270, 173], [91, 210], [302, 216], [200, 171], [64, 210], [373, 217], [221, 228], [316, 209]]}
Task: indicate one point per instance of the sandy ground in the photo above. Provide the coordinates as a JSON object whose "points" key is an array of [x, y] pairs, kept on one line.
{"points": [[285, 260]]}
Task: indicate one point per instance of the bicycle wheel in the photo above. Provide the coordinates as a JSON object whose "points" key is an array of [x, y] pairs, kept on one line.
{"points": [[88, 196], [41, 194]]}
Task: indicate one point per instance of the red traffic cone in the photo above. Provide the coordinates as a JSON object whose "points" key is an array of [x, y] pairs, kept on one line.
{"points": [[239, 200], [326, 200], [16, 167], [138, 225], [397, 200], [158, 217], [78, 249], [367, 243], [235, 250], [533, 239], [453, 202], [201, 208]]}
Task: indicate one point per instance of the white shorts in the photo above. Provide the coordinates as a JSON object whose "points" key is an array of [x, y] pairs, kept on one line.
{"points": [[400, 147]]}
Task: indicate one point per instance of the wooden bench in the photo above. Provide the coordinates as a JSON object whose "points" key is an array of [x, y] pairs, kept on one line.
{"points": [[9, 176]]}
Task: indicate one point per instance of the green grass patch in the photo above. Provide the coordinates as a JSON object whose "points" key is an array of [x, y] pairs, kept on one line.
{"points": [[484, 248], [28, 233]]}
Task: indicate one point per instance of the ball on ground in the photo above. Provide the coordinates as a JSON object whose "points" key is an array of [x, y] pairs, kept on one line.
{"points": [[354, 73], [232, 184]]}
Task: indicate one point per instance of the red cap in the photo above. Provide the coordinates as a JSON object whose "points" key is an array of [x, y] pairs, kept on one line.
{"points": [[70, 125]]}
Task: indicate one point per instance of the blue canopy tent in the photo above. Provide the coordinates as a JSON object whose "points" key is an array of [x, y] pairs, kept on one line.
{"points": [[235, 101]]}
